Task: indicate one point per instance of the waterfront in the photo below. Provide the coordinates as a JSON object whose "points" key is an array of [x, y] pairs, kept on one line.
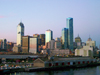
{"points": [[83, 71]]}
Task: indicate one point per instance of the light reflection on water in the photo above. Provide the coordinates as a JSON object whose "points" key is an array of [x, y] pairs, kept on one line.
{"points": [[78, 71]]}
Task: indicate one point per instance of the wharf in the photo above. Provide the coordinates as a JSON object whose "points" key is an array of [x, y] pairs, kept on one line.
{"points": [[35, 69]]}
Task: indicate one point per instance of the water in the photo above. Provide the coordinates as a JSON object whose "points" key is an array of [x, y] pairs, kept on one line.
{"points": [[78, 71]]}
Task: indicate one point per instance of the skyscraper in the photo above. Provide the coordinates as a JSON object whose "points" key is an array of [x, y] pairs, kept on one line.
{"points": [[33, 47], [42, 36], [69, 22], [65, 38], [25, 44], [49, 36], [20, 33]]}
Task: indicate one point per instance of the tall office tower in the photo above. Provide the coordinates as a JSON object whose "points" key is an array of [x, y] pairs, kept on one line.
{"points": [[33, 47], [25, 44], [20, 33], [69, 22], [49, 36], [42, 37], [3, 44], [64, 38]]}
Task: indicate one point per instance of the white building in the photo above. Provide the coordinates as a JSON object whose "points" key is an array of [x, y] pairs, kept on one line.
{"points": [[85, 51], [20, 33], [16, 49], [90, 43], [49, 36]]}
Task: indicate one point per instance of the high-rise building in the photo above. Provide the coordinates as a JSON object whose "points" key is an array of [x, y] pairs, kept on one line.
{"points": [[42, 37], [49, 36], [25, 44], [3, 44], [64, 38], [33, 47], [20, 33], [69, 22]]}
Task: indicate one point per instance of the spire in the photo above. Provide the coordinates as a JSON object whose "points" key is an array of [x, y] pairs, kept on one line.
{"points": [[78, 35], [89, 39]]}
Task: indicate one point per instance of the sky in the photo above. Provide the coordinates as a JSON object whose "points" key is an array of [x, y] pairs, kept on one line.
{"points": [[41, 15]]}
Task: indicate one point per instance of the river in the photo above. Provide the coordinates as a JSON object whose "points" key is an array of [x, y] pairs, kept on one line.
{"points": [[78, 71]]}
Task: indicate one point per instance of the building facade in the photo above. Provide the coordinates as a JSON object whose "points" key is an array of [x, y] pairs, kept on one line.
{"points": [[33, 47], [64, 38], [3, 44], [78, 39], [25, 44], [49, 36], [20, 33], [42, 37], [70, 32], [57, 45], [90, 43], [85, 51], [16, 49]]}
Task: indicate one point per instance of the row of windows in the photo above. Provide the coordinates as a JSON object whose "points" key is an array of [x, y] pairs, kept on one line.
{"points": [[56, 64]]}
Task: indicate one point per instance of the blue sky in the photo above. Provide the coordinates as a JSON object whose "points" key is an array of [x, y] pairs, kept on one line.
{"points": [[40, 15]]}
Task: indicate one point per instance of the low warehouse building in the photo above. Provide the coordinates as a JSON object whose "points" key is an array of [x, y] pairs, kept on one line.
{"points": [[59, 62]]}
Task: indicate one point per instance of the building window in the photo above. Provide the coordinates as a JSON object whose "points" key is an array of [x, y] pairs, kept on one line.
{"points": [[83, 62], [78, 62], [88, 62], [63, 63], [68, 63], [56, 64], [73, 63], [50, 64]]}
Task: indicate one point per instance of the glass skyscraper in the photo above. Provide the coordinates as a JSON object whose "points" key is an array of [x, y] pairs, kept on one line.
{"points": [[69, 22], [33, 47], [49, 36], [20, 33], [65, 38]]}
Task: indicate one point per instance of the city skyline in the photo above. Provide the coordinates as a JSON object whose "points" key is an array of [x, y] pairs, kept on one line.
{"points": [[42, 15]]}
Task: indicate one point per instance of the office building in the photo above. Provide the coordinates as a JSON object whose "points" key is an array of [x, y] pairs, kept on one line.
{"points": [[57, 45], [3, 44], [70, 32], [64, 38], [49, 36], [33, 47], [20, 33], [16, 49], [25, 44], [42, 37]]}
